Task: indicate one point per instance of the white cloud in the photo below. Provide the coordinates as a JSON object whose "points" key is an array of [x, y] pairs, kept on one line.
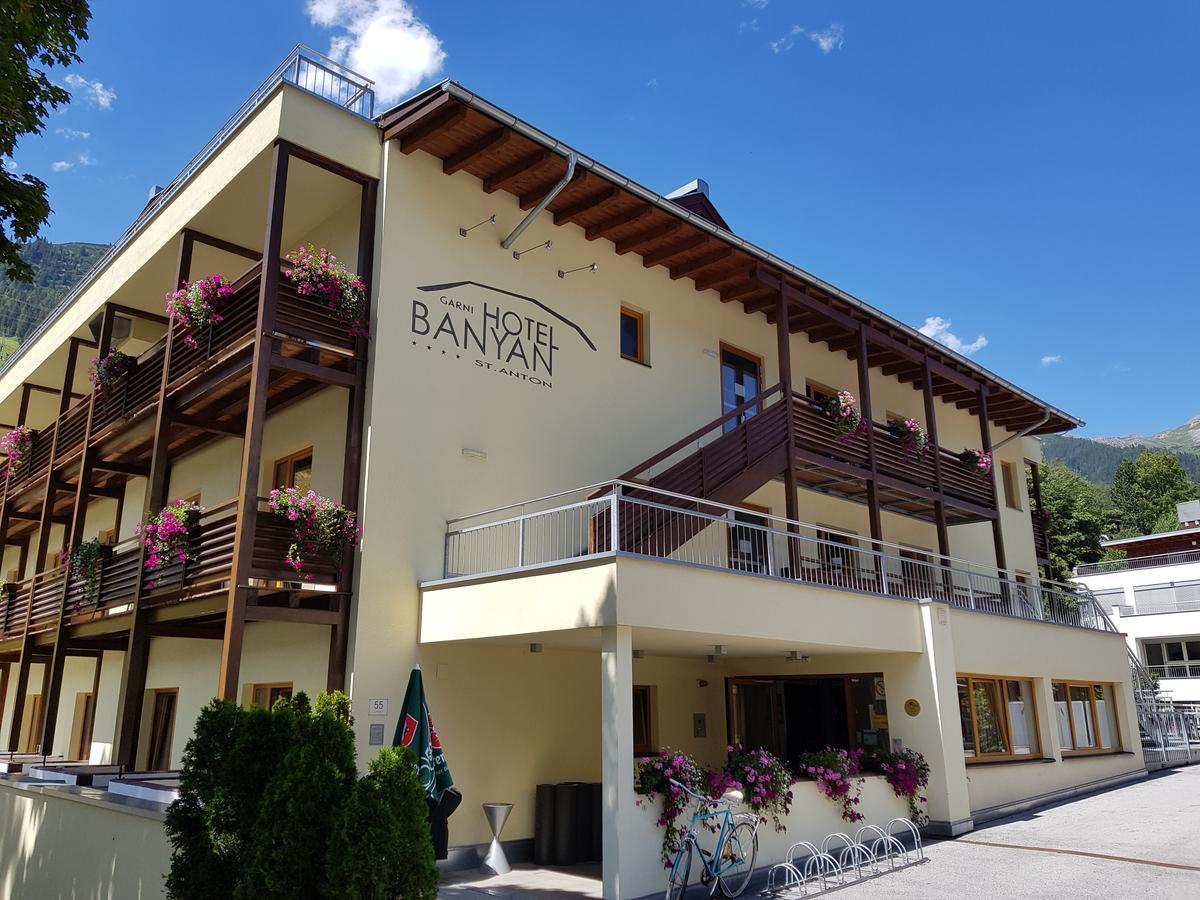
{"points": [[72, 134], [788, 41], [748, 25], [830, 39], [757, 4], [93, 91], [1051, 360], [61, 165], [385, 41], [939, 329], [85, 159], [10, 165]]}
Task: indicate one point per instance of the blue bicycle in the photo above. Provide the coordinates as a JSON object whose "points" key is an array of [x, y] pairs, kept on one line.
{"points": [[730, 863]]}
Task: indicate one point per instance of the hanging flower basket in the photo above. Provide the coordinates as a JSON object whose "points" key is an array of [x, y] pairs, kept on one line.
{"points": [[836, 773], [847, 420], [17, 444], [976, 462], [316, 273], [908, 774], [107, 373], [165, 536], [765, 781], [199, 305], [323, 526], [87, 559], [910, 435]]}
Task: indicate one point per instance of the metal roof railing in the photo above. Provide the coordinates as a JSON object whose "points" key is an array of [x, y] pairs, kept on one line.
{"points": [[305, 69]]}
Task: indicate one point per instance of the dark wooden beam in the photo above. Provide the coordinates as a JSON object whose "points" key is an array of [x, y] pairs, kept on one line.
{"points": [[205, 423], [311, 370], [570, 213], [122, 468], [255, 613], [701, 262], [513, 171], [617, 220], [398, 124], [417, 135], [657, 257], [749, 289], [138, 313], [200, 237], [474, 151], [538, 192], [637, 241]]}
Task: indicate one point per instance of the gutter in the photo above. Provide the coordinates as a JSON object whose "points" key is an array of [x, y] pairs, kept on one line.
{"points": [[1021, 434], [474, 101]]}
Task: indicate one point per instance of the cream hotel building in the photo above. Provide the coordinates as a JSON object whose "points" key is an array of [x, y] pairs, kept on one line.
{"points": [[603, 505]]}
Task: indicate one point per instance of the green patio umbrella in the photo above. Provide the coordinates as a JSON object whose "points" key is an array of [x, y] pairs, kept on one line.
{"points": [[416, 732]]}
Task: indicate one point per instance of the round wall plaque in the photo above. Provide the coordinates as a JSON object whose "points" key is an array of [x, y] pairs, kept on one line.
{"points": [[912, 707]]}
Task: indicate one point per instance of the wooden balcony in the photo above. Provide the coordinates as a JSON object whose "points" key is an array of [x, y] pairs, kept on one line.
{"points": [[207, 386], [206, 572]]}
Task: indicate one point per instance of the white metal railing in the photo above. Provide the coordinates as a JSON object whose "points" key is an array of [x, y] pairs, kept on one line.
{"points": [[1179, 557], [1183, 596], [303, 68], [633, 520], [1170, 732], [1176, 670]]}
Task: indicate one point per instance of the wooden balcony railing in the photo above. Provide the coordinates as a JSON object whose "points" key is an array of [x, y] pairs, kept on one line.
{"points": [[207, 570], [300, 319]]}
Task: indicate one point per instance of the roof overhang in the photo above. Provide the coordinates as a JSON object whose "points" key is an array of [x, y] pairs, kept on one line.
{"points": [[470, 134]]}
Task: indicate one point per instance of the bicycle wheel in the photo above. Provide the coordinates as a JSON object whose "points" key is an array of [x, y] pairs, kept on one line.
{"points": [[680, 870], [737, 859]]}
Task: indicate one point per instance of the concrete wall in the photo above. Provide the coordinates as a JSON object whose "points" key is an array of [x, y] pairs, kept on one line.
{"points": [[53, 844]]}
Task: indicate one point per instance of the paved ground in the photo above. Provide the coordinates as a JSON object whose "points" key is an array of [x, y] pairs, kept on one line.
{"points": [[1138, 841]]}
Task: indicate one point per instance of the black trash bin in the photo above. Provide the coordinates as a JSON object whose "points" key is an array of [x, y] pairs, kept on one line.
{"points": [[439, 825], [543, 825], [566, 830]]}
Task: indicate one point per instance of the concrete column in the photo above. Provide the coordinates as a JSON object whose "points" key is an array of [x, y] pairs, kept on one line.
{"points": [[935, 730], [616, 737]]}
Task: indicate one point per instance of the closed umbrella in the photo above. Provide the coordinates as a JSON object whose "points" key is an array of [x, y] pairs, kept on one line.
{"points": [[416, 732]]}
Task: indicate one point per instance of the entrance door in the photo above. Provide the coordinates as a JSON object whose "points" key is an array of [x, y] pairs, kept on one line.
{"points": [[740, 380], [162, 726], [31, 727], [85, 720]]}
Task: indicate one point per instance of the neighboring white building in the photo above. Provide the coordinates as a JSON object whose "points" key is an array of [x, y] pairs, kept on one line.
{"points": [[1154, 594]]}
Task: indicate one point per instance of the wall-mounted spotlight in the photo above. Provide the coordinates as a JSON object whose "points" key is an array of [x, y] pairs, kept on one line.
{"points": [[491, 220], [517, 254], [591, 268], [535, 647], [797, 656], [639, 654]]}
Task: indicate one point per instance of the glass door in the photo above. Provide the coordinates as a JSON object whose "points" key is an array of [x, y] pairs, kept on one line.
{"points": [[740, 380]]}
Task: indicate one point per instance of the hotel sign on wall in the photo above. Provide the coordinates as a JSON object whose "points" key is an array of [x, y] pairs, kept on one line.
{"points": [[497, 331]]}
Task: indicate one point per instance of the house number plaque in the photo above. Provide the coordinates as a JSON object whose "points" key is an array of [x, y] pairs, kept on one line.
{"points": [[912, 707]]}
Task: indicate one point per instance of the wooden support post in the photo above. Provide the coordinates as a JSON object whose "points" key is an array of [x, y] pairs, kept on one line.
{"points": [[137, 646], [54, 668], [339, 634], [256, 413], [864, 401], [985, 443]]}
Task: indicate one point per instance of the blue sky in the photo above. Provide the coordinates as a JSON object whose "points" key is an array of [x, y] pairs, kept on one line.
{"points": [[1023, 171]]}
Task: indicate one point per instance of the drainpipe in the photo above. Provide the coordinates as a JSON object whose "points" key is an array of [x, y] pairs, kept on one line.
{"points": [[546, 201], [1021, 434]]}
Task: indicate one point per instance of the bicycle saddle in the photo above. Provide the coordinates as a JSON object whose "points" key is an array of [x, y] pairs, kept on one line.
{"points": [[732, 796]]}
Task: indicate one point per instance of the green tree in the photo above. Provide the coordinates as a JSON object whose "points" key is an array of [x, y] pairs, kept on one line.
{"points": [[1145, 490], [380, 848], [1079, 516], [1126, 499], [33, 37]]}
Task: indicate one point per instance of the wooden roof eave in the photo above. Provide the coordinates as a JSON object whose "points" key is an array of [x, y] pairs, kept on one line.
{"points": [[470, 134]]}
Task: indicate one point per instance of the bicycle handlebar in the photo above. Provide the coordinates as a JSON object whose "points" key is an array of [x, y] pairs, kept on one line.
{"points": [[700, 797]]}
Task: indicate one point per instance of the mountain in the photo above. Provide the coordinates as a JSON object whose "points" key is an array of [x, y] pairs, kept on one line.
{"points": [[1185, 437], [1096, 459], [56, 269]]}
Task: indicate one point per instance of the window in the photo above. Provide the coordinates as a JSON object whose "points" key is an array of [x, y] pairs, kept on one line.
{"points": [[643, 719], [837, 555], [817, 391], [1174, 659], [265, 695], [294, 471], [748, 542], [1012, 494], [162, 728], [31, 724], [1086, 714], [633, 335], [108, 535], [739, 383], [998, 717], [790, 716]]}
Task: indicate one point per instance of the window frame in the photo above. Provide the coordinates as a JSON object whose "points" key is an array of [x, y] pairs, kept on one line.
{"points": [[1118, 741], [1001, 682], [153, 731], [1008, 483], [746, 356], [640, 318], [290, 461], [813, 388], [649, 707], [270, 686]]}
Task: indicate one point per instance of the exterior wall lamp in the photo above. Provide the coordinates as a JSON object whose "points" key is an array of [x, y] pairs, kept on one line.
{"points": [[517, 254], [591, 268], [491, 220]]}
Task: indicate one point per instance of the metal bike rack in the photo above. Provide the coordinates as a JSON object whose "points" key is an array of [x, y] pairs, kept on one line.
{"points": [[858, 858]]}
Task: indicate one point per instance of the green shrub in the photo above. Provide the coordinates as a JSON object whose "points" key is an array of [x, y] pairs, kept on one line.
{"points": [[380, 848], [270, 806]]}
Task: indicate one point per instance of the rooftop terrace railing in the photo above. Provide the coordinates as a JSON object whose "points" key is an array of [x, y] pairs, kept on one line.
{"points": [[623, 518], [303, 68], [1178, 558]]}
